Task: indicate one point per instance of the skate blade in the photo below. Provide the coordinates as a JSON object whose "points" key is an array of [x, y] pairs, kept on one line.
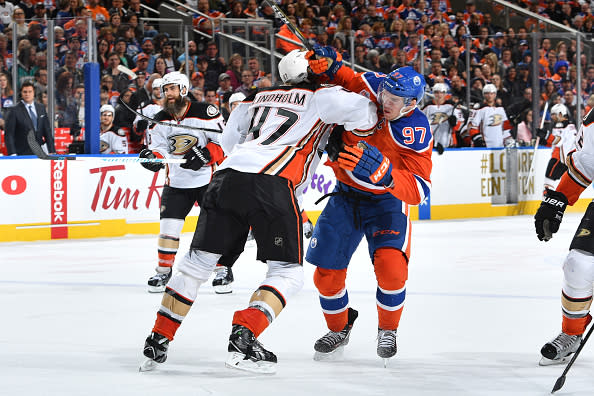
{"points": [[236, 360], [223, 289], [550, 362], [147, 365], [336, 354], [156, 289]]}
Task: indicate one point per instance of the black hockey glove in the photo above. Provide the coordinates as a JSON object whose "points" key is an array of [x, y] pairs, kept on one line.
{"points": [[478, 141], [452, 120], [335, 144], [152, 166], [439, 148], [549, 215], [196, 158], [141, 126], [543, 134]]}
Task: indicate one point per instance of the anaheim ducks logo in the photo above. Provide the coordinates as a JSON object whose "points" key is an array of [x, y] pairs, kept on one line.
{"points": [[583, 232], [180, 144], [495, 119], [103, 146], [438, 118]]}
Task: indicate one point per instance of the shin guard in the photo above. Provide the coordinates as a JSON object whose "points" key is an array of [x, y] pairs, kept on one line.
{"points": [[391, 272], [334, 297]]}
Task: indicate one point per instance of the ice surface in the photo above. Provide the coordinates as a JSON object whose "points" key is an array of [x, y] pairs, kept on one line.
{"points": [[482, 298]]}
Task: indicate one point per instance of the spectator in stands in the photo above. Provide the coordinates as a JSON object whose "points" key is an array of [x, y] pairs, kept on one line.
{"points": [[120, 48], [160, 66], [235, 69], [6, 11], [115, 20], [524, 130], [193, 53], [197, 80], [134, 8], [102, 53], [224, 85], [41, 81], [148, 48], [344, 30], [7, 97], [26, 67], [19, 23], [570, 101], [123, 117], [204, 24], [168, 56], [503, 98], [247, 86], [454, 60], [70, 60], [117, 7], [211, 97], [24, 116], [120, 80], [99, 13], [254, 67], [216, 65], [141, 64]]}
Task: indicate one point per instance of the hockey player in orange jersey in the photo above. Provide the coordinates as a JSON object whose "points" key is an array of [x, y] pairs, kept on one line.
{"points": [[379, 175]]}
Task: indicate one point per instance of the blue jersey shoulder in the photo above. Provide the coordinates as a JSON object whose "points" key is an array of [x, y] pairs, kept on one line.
{"points": [[413, 131], [374, 80]]}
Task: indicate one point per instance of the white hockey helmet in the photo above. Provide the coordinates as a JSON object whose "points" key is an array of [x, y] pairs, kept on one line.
{"points": [[293, 67], [560, 108], [236, 97], [157, 83], [489, 88], [106, 108], [176, 78], [440, 87]]}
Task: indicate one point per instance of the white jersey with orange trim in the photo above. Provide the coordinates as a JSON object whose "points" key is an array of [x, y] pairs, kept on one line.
{"points": [[438, 120], [283, 130], [493, 124], [565, 136], [580, 162], [175, 141], [111, 142]]}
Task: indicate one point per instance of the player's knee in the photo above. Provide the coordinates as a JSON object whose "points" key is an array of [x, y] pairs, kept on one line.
{"points": [[198, 264], [171, 227], [286, 278], [185, 285], [578, 270], [329, 281], [391, 268]]}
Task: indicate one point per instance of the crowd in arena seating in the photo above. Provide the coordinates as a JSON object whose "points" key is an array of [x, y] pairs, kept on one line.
{"points": [[387, 34]]}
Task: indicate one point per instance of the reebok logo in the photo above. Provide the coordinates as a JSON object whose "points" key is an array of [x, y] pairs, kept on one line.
{"points": [[59, 199]]}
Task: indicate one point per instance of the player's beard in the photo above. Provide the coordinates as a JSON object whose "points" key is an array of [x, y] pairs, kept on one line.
{"points": [[176, 106]]}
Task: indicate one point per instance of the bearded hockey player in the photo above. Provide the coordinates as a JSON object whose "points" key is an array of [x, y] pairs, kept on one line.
{"points": [[562, 138], [273, 141], [185, 184], [444, 117], [379, 174], [489, 126], [578, 268]]}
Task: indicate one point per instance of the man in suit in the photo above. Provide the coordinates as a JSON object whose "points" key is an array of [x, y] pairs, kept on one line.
{"points": [[24, 116]]}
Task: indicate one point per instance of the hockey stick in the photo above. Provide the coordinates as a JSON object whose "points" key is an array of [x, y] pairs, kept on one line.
{"points": [[294, 29], [152, 120], [39, 153], [561, 380], [127, 72], [536, 143]]}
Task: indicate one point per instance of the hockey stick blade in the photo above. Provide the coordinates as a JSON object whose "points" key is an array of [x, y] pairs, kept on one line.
{"points": [[39, 153], [561, 380], [127, 72], [294, 29], [152, 120]]}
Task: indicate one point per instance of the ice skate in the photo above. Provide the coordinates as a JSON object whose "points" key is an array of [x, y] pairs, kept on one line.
{"points": [[246, 353], [222, 283], [331, 345], [386, 344], [155, 350], [157, 282], [559, 350]]}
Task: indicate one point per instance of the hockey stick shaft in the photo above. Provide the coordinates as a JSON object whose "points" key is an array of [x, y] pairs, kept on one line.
{"points": [[537, 142], [294, 29], [561, 380], [167, 123], [39, 153]]}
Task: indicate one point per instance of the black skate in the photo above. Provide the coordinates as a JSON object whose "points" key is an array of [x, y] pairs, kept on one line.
{"points": [[386, 344], [246, 353], [222, 283], [332, 344], [560, 349], [155, 349], [157, 282]]}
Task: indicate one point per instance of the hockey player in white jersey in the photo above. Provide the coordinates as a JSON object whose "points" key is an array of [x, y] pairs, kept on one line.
{"points": [[562, 138], [185, 184], [444, 118], [274, 141], [578, 268], [149, 109], [111, 139], [489, 125]]}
